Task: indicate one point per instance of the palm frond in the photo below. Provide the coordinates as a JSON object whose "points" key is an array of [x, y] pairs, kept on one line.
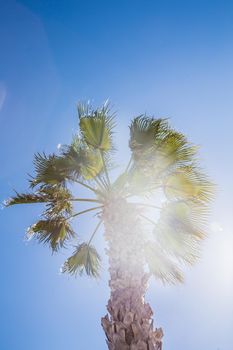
{"points": [[25, 198], [77, 160], [84, 259], [184, 247], [93, 165], [96, 126], [187, 182], [180, 228], [157, 150], [55, 232], [50, 170], [58, 200], [145, 134], [160, 265], [82, 160], [174, 150]]}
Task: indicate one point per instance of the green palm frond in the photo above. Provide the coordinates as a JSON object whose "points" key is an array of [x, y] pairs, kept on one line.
{"points": [[93, 165], [153, 140], [187, 182], [55, 232], [174, 150], [96, 126], [157, 150], [50, 170], [25, 198], [84, 259], [75, 156], [145, 134], [57, 199], [180, 229], [160, 265], [184, 247], [82, 160], [76, 161]]}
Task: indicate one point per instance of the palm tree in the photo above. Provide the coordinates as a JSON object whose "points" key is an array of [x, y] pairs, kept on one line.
{"points": [[153, 213]]}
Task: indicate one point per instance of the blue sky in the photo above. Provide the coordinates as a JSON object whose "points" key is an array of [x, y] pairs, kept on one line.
{"points": [[167, 58]]}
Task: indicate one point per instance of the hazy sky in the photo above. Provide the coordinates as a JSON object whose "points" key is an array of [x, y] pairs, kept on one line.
{"points": [[167, 58]]}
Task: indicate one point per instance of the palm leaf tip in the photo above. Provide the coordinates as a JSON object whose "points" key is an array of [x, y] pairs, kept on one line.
{"points": [[97, 126], [161, 266], [54, 232], [84, 259]]}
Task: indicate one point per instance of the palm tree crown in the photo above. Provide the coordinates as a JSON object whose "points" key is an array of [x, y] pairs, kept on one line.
{"points": [[163, 164]]}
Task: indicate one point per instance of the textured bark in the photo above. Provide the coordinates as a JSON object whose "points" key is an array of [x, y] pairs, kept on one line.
{"points": [[129, 324]]}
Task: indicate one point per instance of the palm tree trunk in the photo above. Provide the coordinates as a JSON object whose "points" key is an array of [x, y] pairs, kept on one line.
{"points": [[129, 324]]}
